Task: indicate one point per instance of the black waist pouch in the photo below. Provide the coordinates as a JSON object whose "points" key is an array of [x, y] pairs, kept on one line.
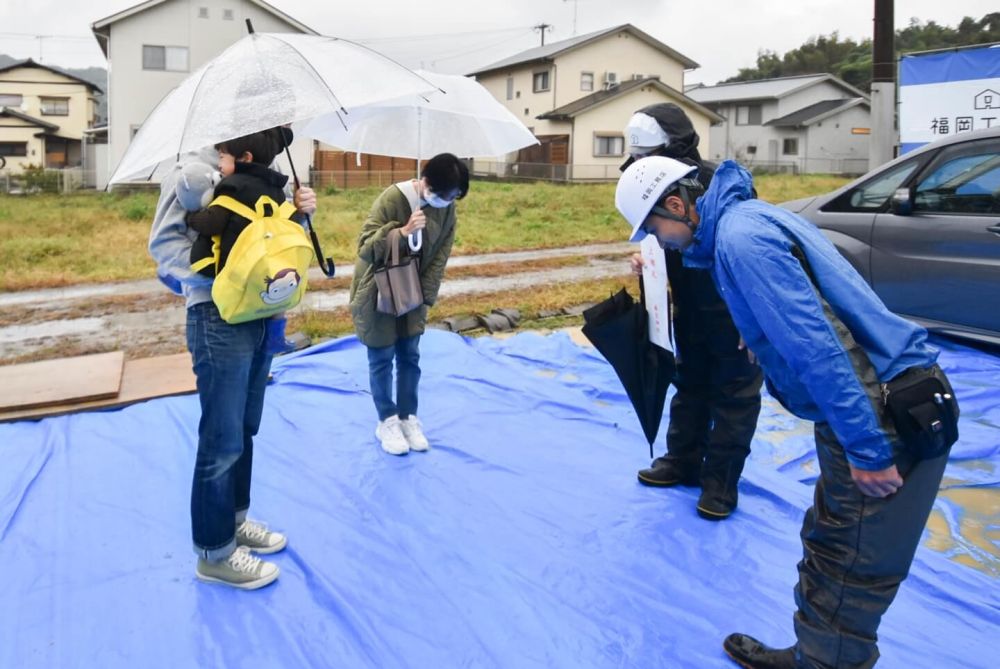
{"points": [[923, 407]]}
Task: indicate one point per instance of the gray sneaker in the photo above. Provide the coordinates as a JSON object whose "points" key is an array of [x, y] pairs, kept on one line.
{"points": [[240, 570], [259, 539]]}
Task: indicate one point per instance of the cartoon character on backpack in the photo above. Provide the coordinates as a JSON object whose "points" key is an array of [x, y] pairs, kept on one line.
{"points": [[281, 286]]}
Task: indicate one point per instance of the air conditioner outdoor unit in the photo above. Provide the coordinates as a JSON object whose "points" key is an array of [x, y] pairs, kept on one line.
{"points": [[636, 77], [610, 79]]}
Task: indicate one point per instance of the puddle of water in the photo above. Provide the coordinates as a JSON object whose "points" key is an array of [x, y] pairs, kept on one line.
{"points": [[15, 333], [977, 543], [976, 465]]}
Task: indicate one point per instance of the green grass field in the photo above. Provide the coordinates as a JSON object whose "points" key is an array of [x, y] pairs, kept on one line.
{"points": [[58, 240]]}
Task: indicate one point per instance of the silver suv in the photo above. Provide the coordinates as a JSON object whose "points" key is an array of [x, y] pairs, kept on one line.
{"points": [[924, 231]]}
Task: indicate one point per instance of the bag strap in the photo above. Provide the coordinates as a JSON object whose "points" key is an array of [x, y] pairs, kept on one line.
{"points": [[204, 262], [233, 205], [284, 210], [392, 239]]}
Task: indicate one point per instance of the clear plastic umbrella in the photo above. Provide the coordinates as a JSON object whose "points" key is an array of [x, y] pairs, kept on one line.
{"points": [[461, 117], [262, 81]]}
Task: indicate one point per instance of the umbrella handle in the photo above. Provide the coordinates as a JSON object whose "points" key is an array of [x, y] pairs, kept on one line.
{"points": [[416, 241], [326, 264], [328, 268]]}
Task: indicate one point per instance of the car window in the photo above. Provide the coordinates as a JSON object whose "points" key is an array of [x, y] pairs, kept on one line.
{"points": [[874, 193], [968, 184]]}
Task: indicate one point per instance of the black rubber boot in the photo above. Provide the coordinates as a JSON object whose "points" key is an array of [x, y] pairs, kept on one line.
{"points": [[719, 490], [716, 502], [668, 471], [752, 654]]}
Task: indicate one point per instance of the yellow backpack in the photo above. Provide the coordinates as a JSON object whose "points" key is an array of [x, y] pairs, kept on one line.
{"points": [[265, 273]]}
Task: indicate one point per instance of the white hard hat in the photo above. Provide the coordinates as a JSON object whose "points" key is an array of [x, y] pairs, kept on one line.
{"points": [[643, 184], [643, 134]]}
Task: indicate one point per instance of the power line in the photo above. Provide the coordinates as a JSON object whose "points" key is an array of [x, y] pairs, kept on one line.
{"points": [[459, 54], [412, 38], [38, 36]]}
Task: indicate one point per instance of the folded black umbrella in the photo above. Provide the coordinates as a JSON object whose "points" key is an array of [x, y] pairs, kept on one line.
{"points": [[618, 327]]}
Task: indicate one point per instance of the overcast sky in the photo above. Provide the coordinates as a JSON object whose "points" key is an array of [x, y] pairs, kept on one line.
{"points": [[456, 36]]}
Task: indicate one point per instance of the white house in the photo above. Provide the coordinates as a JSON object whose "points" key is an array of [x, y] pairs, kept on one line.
{"points": [[153, 46], [577, 95], [809, 123]]}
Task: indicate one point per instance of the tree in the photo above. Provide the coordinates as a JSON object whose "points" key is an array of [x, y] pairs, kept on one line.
{"points": [[852, 61]]}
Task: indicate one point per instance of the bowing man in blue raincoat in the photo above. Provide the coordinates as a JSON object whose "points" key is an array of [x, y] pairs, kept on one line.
{"points": [[832, 353]]}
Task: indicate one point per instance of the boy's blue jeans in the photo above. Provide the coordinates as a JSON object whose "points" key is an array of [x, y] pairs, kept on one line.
{"points": [[406, 351], [231, 366]]}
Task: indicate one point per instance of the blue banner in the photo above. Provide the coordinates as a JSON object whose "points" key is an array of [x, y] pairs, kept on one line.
{"points": [[936, 68]]}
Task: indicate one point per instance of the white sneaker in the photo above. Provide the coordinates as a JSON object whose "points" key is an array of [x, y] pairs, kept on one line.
{"points": [[390, 433], [259, 539], [414, 433], [240, 570]]}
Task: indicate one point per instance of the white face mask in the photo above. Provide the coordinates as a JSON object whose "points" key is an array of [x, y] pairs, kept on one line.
{"points": [[436, 200]]}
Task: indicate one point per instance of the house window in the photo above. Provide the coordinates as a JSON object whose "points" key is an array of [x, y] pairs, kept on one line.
{"points": [[748, 115], [586, 81], [55, 106], [169, 58], [540, 82], [751, 150], [609, 145], [525, 111], [11, 100], [227, 15], [510, 88], [13, 148], [790, 146], [203, 12]]}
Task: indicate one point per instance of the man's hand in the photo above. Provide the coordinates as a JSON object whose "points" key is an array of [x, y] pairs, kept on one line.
{"points": [[305, 200], [877, 484], [417, 222], [636, 263], [751, 356]]}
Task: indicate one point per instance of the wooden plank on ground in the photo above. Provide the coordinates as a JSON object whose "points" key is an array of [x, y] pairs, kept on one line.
{"points": [[82, 378], [142, 379]]}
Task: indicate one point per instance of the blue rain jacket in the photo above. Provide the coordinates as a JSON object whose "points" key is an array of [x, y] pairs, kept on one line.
{"points": [[747, 245]]}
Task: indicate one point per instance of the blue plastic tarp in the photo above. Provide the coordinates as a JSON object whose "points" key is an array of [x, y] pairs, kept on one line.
{"points": [[522, 539]]}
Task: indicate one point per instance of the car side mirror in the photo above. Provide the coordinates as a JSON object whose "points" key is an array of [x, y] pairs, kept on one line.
{"points": [[902, 202]]}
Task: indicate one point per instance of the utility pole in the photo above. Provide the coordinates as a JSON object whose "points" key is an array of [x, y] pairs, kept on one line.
{"points": [[882, 140], [543, 27]]}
